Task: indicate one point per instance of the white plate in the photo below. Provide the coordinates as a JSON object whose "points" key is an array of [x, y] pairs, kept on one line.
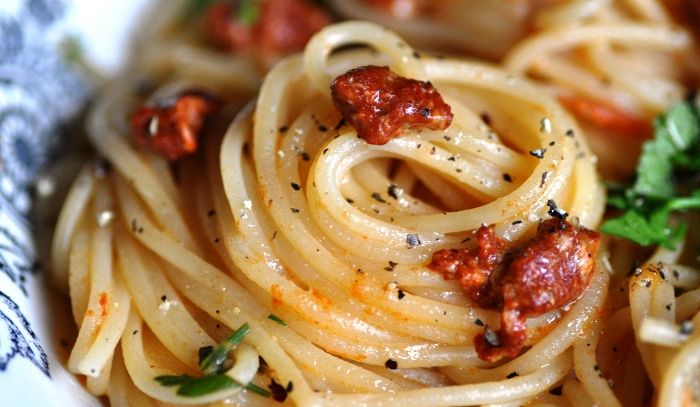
{"points": [[38, 92]]}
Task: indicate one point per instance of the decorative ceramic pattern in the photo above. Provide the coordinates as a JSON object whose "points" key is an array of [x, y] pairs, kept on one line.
{"points": [[38, 93]]}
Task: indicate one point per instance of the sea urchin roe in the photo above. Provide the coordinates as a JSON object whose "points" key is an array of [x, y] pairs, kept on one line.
{"points": [[607, 117], [379, 104], [548, 272], [274, 28], [171, 126]]}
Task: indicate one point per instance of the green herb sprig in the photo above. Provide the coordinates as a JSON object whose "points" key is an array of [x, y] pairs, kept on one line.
{"points": [[213, 365], [664, 182]]}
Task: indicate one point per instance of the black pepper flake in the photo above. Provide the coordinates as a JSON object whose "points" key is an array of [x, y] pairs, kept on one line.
{"points": [[516, 222], [478, 322], [570, 133], [350, 201], [412, 240], [163, 297], [135, 332], [211, 213], [290, 387], [63, 342], [452, 158], [296, 186], [101, 167], [512, 375], [687, 327], [322, 128], [416, 55], [305, 156], [544, 179], [446, 137], [507, 177], [556, 391], [614, 349], [394, 191], [425, 112], [555, 211], [458, 170], [432, 150], [203, 352], [134, 226], [274, 235], [391, 266], [217, 240], [596, 367], [491, 337], [279, 392], [401, 294], [466, 239], [486, 118], [283, 129], [340, 124], [539, 153], [647, 284], [377, 197], [295, 210], [391, 364], [662, 274]]}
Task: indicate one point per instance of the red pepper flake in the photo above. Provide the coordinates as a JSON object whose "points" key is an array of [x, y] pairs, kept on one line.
{"points": [[282, 27], [171, 126], [104, 302], [380, 104], [546, 273]]}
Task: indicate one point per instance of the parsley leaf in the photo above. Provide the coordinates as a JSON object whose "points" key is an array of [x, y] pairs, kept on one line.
{"points": [[199, 386], [650, 201], [215, 362], [674, 133], [249, 12], [277, 319]]}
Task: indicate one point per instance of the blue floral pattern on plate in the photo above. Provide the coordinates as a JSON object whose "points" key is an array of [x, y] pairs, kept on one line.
{"points": [[38, 93]]}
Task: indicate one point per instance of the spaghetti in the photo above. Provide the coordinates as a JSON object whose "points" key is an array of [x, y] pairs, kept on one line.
{"points": [[303, 251]]}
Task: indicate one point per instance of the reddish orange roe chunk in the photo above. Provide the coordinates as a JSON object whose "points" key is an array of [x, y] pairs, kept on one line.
{"points": [[281, 28], [171, 127], [380, 104], [608, 118], [547, 273]]}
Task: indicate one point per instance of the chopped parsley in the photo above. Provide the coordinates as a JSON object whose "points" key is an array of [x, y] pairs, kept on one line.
{"points": [[666, 182], [214, 362], [277, 319], [195, 8], [249, 12]]}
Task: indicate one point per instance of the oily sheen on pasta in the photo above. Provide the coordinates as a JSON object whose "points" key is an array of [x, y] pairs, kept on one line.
{"points": [[287, 212]]}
